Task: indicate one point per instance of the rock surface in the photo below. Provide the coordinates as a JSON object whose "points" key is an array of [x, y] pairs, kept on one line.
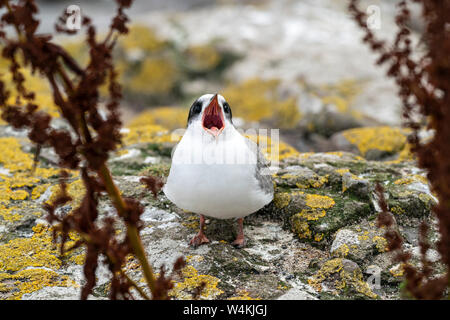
{"points": [[316, 42]]}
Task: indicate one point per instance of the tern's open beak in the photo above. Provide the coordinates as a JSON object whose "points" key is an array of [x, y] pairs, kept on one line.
{"points": [[213, 120]]}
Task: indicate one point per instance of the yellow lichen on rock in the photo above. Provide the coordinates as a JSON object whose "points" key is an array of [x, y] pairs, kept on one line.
{"points": [[167, 117], [78, 258], [76, 190], [39, 190], [31, 280], [316, 182], [151, 133], [9, 214], [318, 201], [19, 195], [302, 181], [312, 214], [37, 251], [318, 237], [35, 83], [30, 264], [398, 270], [287, 114], [404, 155], [383, 138], [157, 75], [256, 100], [350, 278], [397, 210], [19, 176], [319, 182], [426, 198], [341, 95], [346, 171], [348, 87], [243, 295], [342, 251], [249, 100], [411, 179], [12, 157], [364, 236], [202, 57], [142, 37], [273, 150], [191, 281], [381, 243], [316, 210], [78, 49], [191, 222], [300, 227], [153, 126], [281, 199], [342, 171]]}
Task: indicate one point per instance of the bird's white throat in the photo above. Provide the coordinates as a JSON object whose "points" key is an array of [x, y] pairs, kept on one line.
{"points": [[201, 148]]}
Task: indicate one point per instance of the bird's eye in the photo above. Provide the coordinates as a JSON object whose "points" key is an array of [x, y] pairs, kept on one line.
{"points": [[197, 107], [226, 107]]}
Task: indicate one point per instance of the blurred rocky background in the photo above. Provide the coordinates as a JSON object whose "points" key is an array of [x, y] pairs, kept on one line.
{"points": [[295, 65]]}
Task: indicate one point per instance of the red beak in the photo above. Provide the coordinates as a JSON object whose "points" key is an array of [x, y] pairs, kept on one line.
{"points": [[213, 120]]}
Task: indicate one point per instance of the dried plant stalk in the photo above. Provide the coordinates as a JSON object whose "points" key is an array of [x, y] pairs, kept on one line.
{"points": [[76, 93], [424, 88]]}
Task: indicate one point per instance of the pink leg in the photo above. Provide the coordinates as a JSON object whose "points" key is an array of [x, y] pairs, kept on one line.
{"points": [[200, 238], [240, 239]]}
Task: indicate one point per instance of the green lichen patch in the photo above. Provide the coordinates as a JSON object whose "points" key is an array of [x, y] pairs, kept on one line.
{"points": [[314, 217], [127, 169], [359, 242], [345, 211], [341, 277], [159, 170], [299, 177], [240, 271], [409, 201]]}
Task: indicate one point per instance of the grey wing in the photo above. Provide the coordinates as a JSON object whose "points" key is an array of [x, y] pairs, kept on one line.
{"points": [[262, 172]]}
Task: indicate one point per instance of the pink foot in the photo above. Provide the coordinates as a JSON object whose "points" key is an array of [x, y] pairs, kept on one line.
{"points": [[239, 243], [198, 239], [240, 239]]}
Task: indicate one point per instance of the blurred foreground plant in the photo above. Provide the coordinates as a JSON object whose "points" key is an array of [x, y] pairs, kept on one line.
{"points": [[423, 81], [85, 145]]}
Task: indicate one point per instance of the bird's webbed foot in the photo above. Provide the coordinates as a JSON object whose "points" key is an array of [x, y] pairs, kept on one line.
{"points": [[198, 239]]}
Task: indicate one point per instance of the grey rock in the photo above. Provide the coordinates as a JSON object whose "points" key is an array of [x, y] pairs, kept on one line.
{"points": [[296, 294], [356, 185], [54, 293]]}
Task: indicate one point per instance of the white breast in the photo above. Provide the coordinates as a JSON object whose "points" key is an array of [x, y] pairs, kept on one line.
{"points": [[215, 178]]}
